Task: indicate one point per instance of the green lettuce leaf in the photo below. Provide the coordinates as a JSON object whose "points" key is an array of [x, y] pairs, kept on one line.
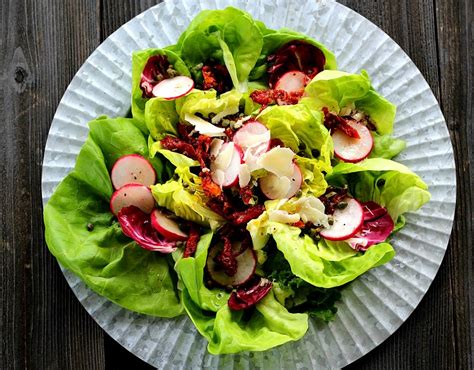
{"points": [[386, 146], [337, 90], [139, 59], [300, 129], [273, 40], [207, 103], [229, 36], [161, 118], [388, 183], [84, 236], [326, 265], [191, 273], [185, 198], [268, 325]]}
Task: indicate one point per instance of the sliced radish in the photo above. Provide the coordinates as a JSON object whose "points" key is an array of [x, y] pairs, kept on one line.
{"points": [[173, 88], [246, 263], [292, 81], [346, 222], [166, 226], [350, 149], [279, 187], [225, 167], [132, 169], [253, 135], [132, 195]]}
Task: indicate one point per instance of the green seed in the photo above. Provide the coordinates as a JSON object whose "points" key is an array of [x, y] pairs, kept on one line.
{"points": [[341, 205]]}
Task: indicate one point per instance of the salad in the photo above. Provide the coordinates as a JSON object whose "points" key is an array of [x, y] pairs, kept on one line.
{"points": [[251, 182]]}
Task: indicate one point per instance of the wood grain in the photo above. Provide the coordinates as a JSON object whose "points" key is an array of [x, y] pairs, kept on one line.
{"points": [[44, 42], [43, 326]]}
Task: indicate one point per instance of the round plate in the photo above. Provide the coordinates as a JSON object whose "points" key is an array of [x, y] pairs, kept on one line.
{"points": [[375, 305]]}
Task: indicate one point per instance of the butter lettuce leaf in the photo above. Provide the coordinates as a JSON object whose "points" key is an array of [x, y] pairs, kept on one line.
{"points": [[326, 265], [207, 102], [191, 273], [337, 90], [85, 237], [300, 129], [388, 183], [268, 325], [229, 36]]}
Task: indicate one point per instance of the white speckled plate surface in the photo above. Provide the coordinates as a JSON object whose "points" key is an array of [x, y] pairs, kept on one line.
{"points": [[375, 305]]}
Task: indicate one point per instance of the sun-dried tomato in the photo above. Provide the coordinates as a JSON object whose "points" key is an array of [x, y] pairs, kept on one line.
{"points": [[210, 188], [226, 258], [243, 217], [332, 197], [272, 96], [184, 132], [334, 122], [299, 224], [178, 145], [216, 76], [202, 145], [191, 243], [250, 294]]}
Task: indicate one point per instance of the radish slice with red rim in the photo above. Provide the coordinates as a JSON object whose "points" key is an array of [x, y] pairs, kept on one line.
{"points": [[253, 135], [132, 169], [275, 187], [346, 222], [246, 264], [166, 226], [173, 88], [350, 149], [132, 195], [292, 81]]}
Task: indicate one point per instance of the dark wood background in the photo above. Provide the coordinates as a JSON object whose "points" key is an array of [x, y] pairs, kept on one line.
{"points": [[42, 45]]}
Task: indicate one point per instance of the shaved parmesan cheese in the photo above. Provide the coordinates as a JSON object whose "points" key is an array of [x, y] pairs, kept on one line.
{"points": [[224, 157], [253, 140], [216, 145], [218, 176], [244, 175], [204, 127], [226, 112], [278, 160], [284, 217], [311, 209], [275, 187]]}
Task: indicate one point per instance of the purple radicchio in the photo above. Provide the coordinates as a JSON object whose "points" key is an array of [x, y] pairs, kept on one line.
{"points": [[136, 224], [295, 56], [250, 294], [377, 227]]}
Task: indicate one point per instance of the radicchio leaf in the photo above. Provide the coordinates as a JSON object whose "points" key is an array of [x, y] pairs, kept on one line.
{"points": [[136, 224], [377, 227], [157, 68], [250, 294], [295, 55]]}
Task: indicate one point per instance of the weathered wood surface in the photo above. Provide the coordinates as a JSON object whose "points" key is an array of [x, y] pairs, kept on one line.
{"points": [[44, 42]]}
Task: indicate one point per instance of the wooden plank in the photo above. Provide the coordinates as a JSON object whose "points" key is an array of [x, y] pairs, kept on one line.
{"points": [[455, 27], [43, 325], [437, 333]]}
